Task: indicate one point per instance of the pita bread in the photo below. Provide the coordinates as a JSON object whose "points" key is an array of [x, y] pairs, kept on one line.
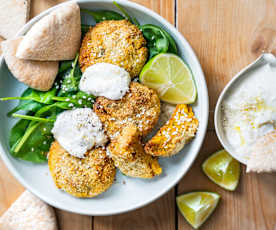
{"points": [[263, 156], [1, 39], [55, 37], [28, 213], [14, 14], [36, 74]]}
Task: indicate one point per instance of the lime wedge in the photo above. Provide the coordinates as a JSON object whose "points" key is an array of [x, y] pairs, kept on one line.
{"points": [[196, 207], [171, 78], [223, 170]]}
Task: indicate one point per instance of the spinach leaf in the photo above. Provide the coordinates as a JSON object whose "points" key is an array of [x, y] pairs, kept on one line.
{"points": [[103, 15], [157, 41], [133, 20], [35, 143], [26, 105], [35, 95], [85, 29], [64, 65], [172, 46], [70, 79], [17, 132]]}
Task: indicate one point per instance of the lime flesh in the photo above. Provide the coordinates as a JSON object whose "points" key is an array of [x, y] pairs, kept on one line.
{"points": [[196, 207], [223, 170], [171, 78]]}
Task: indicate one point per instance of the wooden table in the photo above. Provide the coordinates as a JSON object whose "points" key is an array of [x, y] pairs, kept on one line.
{"points": [[226, 36]]}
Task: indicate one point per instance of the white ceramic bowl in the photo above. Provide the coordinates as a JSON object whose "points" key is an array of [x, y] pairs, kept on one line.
{"points": [[134, 193], [237, 79]]}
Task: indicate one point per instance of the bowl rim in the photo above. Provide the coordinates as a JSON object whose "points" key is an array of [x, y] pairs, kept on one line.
{"points": [[223, 94], [203, 122]]}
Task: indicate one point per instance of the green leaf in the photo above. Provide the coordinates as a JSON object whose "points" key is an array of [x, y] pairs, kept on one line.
{"points": [[17, 131], [65, 65], [133, 20], [36, 144], [26, 105], [157, 40], [85, 28], [102, 15], [70, 79]]}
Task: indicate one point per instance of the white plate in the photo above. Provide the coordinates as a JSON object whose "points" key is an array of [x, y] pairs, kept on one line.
{"points": [[121, 197]]}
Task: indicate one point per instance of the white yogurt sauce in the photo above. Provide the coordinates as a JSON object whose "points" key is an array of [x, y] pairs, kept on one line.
{"points": [[103, 79], [79, 130], [249, 111]]}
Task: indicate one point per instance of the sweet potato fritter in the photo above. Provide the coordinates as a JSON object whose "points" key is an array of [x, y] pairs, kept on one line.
{"points": [[116, 42], [81, 177], [140, 106], [177, 132], [129, 156]]}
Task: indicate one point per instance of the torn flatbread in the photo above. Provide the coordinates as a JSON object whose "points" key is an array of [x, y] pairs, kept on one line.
{"points": [[263, 154], [28, 213], [55, 37], [36, 74], [14, 15]]}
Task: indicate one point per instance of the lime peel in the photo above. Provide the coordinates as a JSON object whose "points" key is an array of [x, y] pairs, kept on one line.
{"points": [[171, 77], [196, 207], [222, 169]]}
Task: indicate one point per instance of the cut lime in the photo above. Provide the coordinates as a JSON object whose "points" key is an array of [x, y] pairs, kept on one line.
{"points": [[196, 207], [171, 78], [223, 170]]}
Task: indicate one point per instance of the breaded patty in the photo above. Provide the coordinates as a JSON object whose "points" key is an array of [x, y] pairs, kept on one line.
{"points": [[177, 132], [116, 42], [129, 156], [140, 106], [81, 177]]}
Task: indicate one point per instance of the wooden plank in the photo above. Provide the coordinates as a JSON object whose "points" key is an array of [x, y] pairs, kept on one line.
{"points": [[228, 35], [160, 214]]}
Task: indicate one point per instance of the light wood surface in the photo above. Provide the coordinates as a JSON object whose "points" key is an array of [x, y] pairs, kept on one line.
{"points": [[226, 36]]}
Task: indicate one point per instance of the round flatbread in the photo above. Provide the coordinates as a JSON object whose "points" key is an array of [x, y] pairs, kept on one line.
{"points": [[263, 154], [36, 74], [28, 213], [55, 37]]}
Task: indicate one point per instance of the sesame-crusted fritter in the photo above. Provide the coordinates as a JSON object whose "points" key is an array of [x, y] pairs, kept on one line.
{"points": [[140, 106], [177, 132], [81, 177], [129, 156], [116, 42]]}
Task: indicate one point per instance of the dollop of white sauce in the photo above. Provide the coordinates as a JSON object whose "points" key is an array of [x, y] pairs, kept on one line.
{"points": [[79, 130], [103, 79], [249, 111]]}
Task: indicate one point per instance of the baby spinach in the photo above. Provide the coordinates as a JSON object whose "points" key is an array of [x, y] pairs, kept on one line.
{"points": [[26, 105], [35, 143], [133, 20], [70, 79], [103, 15], [158, 40], [84, 29]]}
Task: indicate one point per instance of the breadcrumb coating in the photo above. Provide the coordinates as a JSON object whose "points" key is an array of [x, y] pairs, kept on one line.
{"points": [[116, 42], [140, 106], [177, 132], [81, 177], [129, 156]]}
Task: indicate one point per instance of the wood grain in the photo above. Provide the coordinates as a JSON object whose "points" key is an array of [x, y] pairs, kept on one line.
{"points": [[161, 214], [226, 36]]}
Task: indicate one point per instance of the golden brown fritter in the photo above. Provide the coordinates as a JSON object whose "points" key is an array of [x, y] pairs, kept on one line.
{"points": [[140, 106], [177, 132], [116, 42], [129, 156], [81, 177]]}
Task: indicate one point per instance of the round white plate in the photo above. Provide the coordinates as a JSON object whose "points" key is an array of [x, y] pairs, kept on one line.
{"points": [[127, 193]]}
